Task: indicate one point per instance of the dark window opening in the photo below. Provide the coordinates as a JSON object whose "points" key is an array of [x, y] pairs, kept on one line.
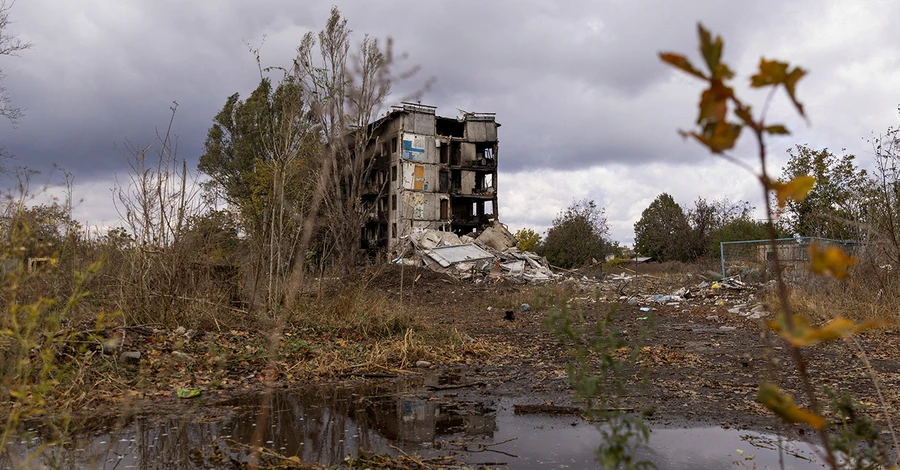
{"points": [[445, 209], [450, 127], [393, 201], [394, 230], [385, 150], [444, 181], [394, 173], [445, 153], [454, 153], [456, 181], [394, 144]]}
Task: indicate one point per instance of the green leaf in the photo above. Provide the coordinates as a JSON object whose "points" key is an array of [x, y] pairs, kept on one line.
{"points": [[680, 62], [790, 84], [711, 49], [186, 393], [777, 129]]}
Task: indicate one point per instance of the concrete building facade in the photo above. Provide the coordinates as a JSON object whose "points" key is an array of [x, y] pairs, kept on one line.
{"points": [[430, 172]]}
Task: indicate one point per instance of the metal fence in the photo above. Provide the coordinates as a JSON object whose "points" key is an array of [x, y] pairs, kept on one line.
{"points": [[758, 255]]}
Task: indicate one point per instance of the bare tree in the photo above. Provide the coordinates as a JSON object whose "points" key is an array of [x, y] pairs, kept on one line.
{"points": [[349, 92], [156, 204], [10, 45]]}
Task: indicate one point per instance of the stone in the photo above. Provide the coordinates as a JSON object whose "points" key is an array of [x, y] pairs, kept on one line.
{"points": [[423, 364], [181, 356], [130, 357]]}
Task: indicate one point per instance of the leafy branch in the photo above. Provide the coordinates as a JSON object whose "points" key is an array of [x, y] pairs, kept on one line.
{"points": [[718, 130]]}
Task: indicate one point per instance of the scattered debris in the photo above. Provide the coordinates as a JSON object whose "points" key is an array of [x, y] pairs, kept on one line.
{"points": [[188, 393]]}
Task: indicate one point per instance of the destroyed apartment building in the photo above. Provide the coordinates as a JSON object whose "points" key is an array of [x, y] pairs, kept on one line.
{"points": [[433, 191]]}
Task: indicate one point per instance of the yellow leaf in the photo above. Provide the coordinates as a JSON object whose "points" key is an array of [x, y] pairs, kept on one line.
{"points": [[713, 106], [783, 405], [801, 333], [719, 136], [773, 72], [830, 261], [795, 189], [679, 61], [744, 113]]}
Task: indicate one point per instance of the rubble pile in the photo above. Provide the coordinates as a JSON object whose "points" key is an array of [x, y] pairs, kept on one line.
{"points": [[729, 295], [492, 254]]}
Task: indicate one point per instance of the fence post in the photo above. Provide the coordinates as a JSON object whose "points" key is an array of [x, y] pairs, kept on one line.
{"points": [[722, 256]]}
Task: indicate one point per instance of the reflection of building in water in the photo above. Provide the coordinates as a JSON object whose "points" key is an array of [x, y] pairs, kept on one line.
{"points": [[318, 426], [417, 420]]}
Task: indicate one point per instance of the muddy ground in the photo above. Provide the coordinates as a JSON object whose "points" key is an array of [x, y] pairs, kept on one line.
{"points": [[697, 362], [699, 358]]}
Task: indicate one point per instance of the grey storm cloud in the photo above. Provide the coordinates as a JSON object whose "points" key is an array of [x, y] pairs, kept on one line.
{"points": [[577, 85], [104, 71]]}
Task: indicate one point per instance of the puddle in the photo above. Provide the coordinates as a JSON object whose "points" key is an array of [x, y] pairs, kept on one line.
{"points": [[325, 425]]}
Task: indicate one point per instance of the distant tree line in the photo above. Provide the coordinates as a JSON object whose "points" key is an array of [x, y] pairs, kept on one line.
{"points": [[846, 203]]}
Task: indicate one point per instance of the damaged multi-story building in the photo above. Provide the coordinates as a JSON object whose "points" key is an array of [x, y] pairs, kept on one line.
{"points": [[430, 172]]}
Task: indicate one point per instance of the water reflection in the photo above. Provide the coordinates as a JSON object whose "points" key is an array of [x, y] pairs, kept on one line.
{"points": [[327, 424]]}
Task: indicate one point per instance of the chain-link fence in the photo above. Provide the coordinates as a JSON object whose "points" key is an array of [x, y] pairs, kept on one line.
{"points": [[756, 257]]}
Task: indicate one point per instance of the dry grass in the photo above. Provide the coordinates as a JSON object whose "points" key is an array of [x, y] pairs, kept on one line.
{"points": [[869, 293], [354, 311]]}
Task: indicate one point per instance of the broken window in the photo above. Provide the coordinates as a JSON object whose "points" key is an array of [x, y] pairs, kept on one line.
{"points": [[450, 127], [394, 144], [445, 153], [394, 230], [444, 181], [393, 172], [385, 150], [393, 202], [445, 209], [484, 154], [454, 153]]}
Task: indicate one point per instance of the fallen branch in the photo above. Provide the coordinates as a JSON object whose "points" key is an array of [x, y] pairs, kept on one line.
{"points": [[558, 410], [454, 386]]}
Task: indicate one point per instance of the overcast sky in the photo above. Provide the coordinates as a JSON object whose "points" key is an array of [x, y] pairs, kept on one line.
{"points": [[587, 109]]}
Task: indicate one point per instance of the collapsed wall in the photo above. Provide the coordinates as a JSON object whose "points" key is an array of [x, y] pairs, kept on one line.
{"points": [[490, 253]]}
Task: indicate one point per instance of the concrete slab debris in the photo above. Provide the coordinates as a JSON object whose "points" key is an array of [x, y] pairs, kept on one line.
{"points": [[449, 255]]}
